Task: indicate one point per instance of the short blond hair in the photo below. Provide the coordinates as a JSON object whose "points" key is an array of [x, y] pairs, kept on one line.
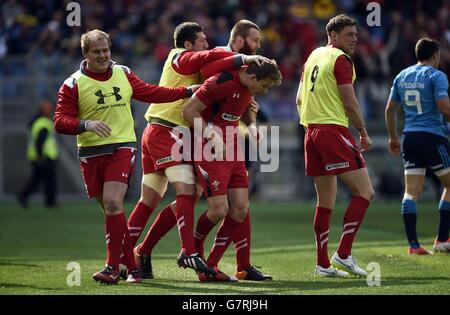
{"points": [[242, 28], [93, 36]]}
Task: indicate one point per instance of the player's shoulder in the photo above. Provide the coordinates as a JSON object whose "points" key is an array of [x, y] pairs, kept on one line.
{"points": [[223, 78], [343, 60], [125, 69], [348, 59], [409, 69], [437, 74], [175, 54], [405, 72], [222, 48], [72, 80]]}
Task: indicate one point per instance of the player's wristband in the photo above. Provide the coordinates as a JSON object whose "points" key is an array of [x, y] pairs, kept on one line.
{"points": [[83, 125], [238, 62], [362, 128]]}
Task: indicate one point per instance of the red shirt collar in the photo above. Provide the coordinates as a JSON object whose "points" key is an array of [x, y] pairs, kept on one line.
{"points": [[103, 76]]}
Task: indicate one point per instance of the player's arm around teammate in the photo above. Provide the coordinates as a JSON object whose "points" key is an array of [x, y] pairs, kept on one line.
{"points": [[94, 103]]}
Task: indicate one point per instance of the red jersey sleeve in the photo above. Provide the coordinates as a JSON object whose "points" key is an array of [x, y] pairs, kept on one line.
{"points": [[149, 93], [209, 92], [66, 114], [343, 70], [190, 62], [228, 63]]}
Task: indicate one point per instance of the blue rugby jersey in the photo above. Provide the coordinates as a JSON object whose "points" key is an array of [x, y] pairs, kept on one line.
{"points": [[417, 88]]}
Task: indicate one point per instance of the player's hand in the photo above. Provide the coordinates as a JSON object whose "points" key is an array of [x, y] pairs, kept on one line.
{"points": [[99, 127], [394, 146], [254, 106], [255, 133], [365, 141], [259, 60]]}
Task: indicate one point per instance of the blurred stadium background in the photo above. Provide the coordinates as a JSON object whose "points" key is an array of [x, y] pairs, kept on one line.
{"points": [[38, 51]]}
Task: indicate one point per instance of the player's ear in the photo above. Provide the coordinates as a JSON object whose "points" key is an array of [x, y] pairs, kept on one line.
{"points": [[333, 35], [240, 41], [187, 44]]}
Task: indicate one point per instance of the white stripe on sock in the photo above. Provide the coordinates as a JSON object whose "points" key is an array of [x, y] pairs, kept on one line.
{"points": [[350, 224], [323, 242], [347, 232], [198, 236], [240, 242], [181, 223], [241, 246], [324, 233]]}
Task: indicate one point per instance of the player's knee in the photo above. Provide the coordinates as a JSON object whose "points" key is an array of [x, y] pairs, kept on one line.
{"points": [[150, 199], [365, 192], [239, 207], [239, 213], [220, 210], [369, 194], [149, 202], [112, 205], [214, 217]]}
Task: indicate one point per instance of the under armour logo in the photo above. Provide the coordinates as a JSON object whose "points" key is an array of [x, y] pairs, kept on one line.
{"points": [[101, 96], [125, 175], [236, 95], [216, 185]]}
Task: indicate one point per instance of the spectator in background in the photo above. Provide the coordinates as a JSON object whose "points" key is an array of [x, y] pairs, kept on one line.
{"points": [[42, 153]]}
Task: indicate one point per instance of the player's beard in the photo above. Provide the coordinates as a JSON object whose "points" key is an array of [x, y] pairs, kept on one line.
{"points": [[247, 50]]}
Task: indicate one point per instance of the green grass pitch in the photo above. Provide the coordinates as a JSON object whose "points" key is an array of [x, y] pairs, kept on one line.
{"points": [[36, 246]]}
